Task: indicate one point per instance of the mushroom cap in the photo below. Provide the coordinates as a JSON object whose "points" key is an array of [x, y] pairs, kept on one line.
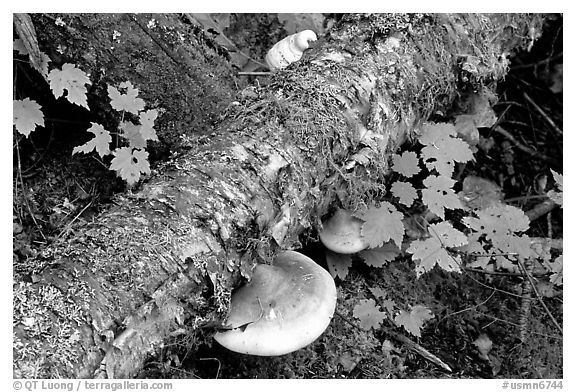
{"points": [[341, 233], [286, 306]]}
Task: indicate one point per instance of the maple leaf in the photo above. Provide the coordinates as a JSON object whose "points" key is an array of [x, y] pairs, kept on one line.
{"points": [[129, 163], [389, 305], [557, 268], [554, 195], [132, 133], [439, 195], [377, 292], [338, 264], [442, 148], [405, 192], [100, 142], [71, 79], [447, 234], [382, 224], [414, 321], [484, 345], [368, 314], [378, 257], [497, 221], [429, 252], [406, 164], [18, 45], [26, 115], [147, 119], [128, 101]]}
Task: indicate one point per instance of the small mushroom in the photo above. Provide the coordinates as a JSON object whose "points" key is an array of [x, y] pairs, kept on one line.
{"points": [[342, 233], [289, 49], [284, 307]]}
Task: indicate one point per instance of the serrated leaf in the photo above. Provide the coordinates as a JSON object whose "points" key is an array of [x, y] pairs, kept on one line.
{"points": [[557, 197], [484, 345], [71, 79], [27, 115], [100, 142], [414, 321], [406, 164], [338, 264], [368, 313], [439, 195], [18, 45], [429, 252], [433, 134], [499, 220], [378, 257], [389, 305], [130, 163], [131, 132], [128, 101], [377, 292], [441, 149], [557, 268], [147, 119], [382, 224], [405, 192], [448, 236]]}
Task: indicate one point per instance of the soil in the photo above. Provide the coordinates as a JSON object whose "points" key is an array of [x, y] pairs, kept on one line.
{"points": [[51, 191]]}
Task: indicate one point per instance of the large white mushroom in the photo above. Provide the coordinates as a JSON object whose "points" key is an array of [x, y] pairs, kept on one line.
{"points": [[284, 307]]}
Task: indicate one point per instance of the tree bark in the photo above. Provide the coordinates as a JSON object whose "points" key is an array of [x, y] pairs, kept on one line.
{"points": [[165, 258]]}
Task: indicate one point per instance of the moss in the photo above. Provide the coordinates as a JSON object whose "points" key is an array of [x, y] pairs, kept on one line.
{"points": [[46, 325]]}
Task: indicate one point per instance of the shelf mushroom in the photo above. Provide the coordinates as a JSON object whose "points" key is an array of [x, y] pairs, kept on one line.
{"points": [[341, 233], [284, 307]]}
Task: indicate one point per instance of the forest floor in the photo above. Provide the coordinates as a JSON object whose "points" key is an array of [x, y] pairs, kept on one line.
{"points": [[471, 310]]}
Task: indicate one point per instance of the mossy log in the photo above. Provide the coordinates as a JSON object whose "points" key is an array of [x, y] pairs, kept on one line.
{"points": [[164, 258]]}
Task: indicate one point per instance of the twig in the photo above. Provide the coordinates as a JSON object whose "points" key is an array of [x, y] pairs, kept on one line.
{"points": [[539, 297], [192, 19], [407, 342], [543, 114], [541, 209], [261, 73], [213, 359], [24, 193], [186, 65], [522, 147], [554, 243], [547, 60], [67, 228]]}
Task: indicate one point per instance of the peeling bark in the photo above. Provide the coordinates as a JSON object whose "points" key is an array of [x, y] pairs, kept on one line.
{"points": [[317, 136]]}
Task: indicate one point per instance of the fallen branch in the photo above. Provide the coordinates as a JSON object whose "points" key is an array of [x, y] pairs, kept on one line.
{"points": [[418, 349]]}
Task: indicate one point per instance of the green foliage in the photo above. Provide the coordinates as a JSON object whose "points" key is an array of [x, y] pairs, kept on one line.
{"points": [[27, 115], [382, 224], [129, 161], [378, 257], [431, 251], [368, 314], [71, 79], [414, 320], [442, 148], [556, 195], [439, 195]]}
